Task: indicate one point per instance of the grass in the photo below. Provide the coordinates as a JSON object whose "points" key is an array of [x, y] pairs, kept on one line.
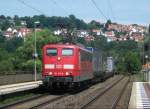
{"points": [[139, 77], [10, 98], [6, 100]]}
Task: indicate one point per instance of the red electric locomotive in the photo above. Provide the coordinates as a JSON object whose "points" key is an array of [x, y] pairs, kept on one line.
{"points": [[66, 64]]}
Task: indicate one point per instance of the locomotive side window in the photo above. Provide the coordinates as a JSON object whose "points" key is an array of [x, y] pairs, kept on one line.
{"points": [[67, 52], [51, 51]]}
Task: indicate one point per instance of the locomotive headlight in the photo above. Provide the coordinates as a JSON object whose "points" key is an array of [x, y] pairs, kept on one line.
{"points": [[50, 73], [67, 73], [58, 58]]}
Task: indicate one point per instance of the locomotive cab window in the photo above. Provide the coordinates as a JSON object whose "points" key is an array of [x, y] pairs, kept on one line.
{"points": [[67, 52], [51, 51]]}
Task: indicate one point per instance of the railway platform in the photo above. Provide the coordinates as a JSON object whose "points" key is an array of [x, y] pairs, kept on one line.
{"points": [[7, 89], [140, 96]]}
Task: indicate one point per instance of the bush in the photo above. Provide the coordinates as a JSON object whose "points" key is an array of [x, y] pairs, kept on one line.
{"points": [[6, 65]]}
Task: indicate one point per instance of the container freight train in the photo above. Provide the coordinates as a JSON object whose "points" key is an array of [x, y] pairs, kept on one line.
{"points": [[71, 65]]}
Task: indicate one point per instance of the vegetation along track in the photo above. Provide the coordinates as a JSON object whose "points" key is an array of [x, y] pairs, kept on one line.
{"points": [[109, 97]]}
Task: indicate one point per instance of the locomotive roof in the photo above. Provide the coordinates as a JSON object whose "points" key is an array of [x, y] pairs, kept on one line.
{"points": [[67, 45]]}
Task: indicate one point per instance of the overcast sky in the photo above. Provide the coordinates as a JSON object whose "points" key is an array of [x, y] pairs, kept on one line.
{"points": [[121, 11]]}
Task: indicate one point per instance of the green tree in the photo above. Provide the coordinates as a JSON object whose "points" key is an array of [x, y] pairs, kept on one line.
{"points": [[12, 44], [132, 62], [100, 43], [81, 40], [149, 29], [107, 24], [24, 54], [2, 41], [3, 54], [6, 65], [5, 24], [94, 25], [17, 20]]}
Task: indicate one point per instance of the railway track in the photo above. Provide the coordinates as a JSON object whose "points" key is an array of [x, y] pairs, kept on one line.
{"points": [[34, 102], [74, 101], [39, 106], [41, 100], [102, 100], [22, 101], [69, 100], [48, 102], [117, 99]]}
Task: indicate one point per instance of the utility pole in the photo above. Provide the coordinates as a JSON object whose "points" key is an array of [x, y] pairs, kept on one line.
{"points": [[35, 51]]}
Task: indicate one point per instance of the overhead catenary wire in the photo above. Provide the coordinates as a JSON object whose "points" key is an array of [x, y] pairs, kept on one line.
{"points": [[54, 2], [99, 10], [111, 9], [35, 9], [108, 10]]}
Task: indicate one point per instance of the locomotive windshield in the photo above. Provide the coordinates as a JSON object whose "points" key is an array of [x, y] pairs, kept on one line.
{"points": [[51, 51], [67, 52]]}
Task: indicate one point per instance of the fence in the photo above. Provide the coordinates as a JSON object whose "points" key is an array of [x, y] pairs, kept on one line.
{"points": [[17, 78]]}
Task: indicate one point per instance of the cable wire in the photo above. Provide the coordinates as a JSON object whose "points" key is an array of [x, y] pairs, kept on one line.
{"points": [[99, 10], [111, 9], [37, 10], [54, 2]]}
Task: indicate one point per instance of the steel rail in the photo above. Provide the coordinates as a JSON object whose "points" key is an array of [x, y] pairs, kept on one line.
{"points": [[117, 99], [100, 94], [49, 101], [23, 101], [57, 98]]}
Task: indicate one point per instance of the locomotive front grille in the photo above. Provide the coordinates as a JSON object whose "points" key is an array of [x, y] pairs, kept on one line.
{"points": [[58, 79]]}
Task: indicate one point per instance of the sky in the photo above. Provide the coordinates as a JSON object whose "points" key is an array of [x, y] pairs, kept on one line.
{"points": [[120, 11]]}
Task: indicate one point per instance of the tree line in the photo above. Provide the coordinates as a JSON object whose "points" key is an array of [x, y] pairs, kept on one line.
{"points": [[53, 22], [17, 54]]}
